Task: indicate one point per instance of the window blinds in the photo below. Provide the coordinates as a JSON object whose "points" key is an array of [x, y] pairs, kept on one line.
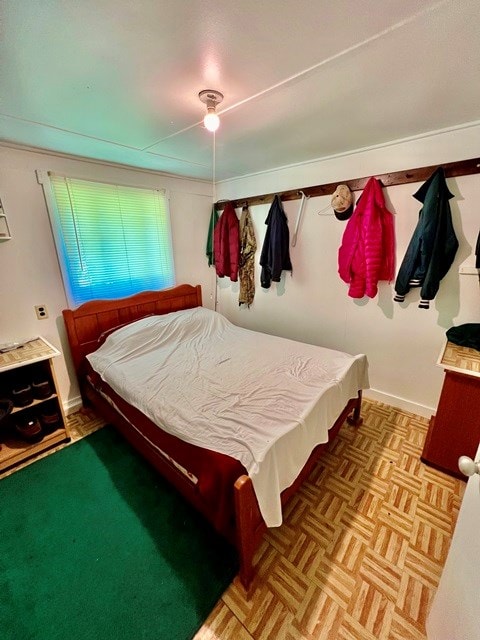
{"points": [[112, 241]]}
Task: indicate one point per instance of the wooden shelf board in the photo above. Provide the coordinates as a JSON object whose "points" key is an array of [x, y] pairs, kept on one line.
{"points": [[34, 402], [13, 451], [454, 357], [35, 350]]}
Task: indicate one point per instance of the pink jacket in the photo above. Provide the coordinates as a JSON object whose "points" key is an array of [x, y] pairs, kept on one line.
{"points": [[367, 252]]}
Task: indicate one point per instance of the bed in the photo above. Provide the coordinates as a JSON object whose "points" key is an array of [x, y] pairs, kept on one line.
{"points": [[234, 419]]}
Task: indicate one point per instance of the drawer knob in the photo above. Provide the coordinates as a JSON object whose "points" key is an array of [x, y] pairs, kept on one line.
{"points": [[467, 466]]}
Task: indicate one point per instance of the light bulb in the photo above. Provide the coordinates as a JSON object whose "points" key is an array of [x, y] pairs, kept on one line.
{"points": [[211, 120]]}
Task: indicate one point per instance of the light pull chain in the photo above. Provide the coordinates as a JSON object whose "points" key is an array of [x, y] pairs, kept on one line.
{"points": [[214, 195]]}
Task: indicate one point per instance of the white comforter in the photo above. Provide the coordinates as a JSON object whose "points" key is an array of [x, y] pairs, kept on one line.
{"points": [[264, 400]]}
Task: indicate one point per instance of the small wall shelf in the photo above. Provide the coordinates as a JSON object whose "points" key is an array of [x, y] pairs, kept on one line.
{"points": [[469, 271], [4, 228]]}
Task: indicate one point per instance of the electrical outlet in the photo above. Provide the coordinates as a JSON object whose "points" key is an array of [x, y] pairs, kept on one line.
{"points": [[41, 311]]}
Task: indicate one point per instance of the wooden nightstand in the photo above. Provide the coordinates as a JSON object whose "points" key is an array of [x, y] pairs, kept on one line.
{"points": [[30, 366], [455, 429]]}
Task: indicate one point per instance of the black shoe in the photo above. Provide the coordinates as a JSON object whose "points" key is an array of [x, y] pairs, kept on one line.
{"points": [[50, 420], [22, 395], [29, 429], [41, 389]]}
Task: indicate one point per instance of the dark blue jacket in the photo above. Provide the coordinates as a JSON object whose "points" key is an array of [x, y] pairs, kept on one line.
{"points": [[275, 256], [433, 245]]}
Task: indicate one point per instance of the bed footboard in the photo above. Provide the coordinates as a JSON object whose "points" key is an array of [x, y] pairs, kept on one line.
{"points": [[355, 417], [250, 526]]}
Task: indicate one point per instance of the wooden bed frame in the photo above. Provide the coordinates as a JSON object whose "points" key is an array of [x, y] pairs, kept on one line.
{"points": [[85, 325]]}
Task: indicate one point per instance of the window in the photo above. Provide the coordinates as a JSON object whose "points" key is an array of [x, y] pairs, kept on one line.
{"points": [[112, 241]]}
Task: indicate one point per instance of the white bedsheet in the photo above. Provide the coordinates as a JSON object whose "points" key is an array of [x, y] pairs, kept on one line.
{"points": [[264, 400]]}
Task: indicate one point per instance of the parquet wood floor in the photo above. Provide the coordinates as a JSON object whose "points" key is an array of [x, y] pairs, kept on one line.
{"points": [[362, 546]]}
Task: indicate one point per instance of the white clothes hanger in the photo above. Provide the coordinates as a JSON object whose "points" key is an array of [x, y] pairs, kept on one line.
{"points": [[300, 211]]}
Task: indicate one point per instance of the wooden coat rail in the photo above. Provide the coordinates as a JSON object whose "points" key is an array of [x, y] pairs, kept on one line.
{"points": [[452, 169]]}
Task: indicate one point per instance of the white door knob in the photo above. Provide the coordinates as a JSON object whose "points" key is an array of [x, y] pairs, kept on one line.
{"points": [[467, 466]]}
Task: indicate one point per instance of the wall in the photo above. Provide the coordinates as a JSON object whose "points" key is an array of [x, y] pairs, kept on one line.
{"points": [[28, 262], [402, 342]]}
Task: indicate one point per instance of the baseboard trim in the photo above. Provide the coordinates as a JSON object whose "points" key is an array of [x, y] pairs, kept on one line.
{"points": [[72, 405], [401, 403]]}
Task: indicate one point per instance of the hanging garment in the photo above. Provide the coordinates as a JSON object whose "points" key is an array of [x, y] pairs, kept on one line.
{"points": [[367, 251], [433, 245], [211, 227], [477, 252], [275, 256], [248, 247], [226, 244]]}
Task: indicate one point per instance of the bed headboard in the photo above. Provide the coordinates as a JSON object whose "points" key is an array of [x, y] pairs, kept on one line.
{"points": [[85, 324]]}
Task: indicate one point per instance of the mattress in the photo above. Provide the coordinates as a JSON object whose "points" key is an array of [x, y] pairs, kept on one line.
{"points": [[263, 400]]}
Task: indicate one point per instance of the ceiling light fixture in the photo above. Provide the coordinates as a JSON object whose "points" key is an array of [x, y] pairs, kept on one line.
{"points": [[211, 98]]}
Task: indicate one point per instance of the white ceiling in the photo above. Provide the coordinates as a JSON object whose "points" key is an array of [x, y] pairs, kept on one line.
{"points": [[118, 80]]}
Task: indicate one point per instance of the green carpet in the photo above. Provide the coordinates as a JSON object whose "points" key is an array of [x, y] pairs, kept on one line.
{"points": [[96, 545]]}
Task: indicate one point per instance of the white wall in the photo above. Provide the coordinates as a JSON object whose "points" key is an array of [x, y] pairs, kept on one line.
{"points": [[29, 270], [402, 342]]}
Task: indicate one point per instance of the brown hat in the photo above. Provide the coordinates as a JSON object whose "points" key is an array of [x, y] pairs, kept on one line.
{"points": [[342, 202]]}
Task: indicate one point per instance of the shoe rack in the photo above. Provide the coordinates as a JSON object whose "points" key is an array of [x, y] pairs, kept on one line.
{"points": [[36, 422]]}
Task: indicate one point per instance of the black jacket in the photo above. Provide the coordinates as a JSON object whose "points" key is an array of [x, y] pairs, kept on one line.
{"points": [[433, 245], [275, 256]]}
